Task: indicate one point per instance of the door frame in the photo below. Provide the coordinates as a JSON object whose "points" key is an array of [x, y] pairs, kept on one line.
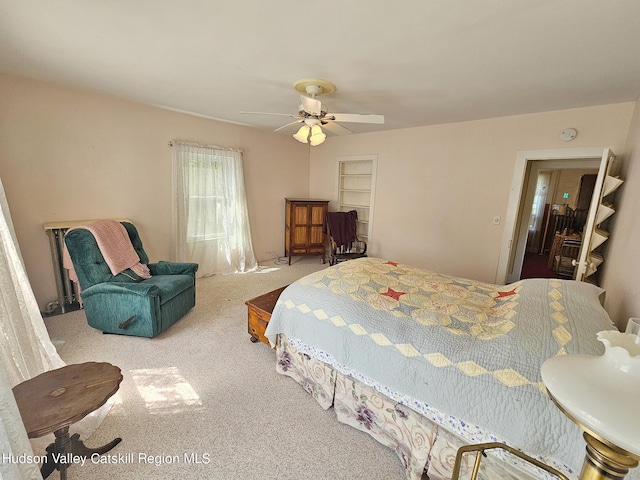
{"points": [[512, 236]]}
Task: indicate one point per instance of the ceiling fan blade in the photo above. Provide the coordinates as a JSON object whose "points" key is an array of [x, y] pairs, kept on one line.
{"points": [[336, 128], [288, 125], [311, 105], [356, 118], [269, 113]]}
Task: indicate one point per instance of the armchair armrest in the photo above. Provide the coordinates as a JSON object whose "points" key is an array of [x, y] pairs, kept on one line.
{"points": [[139, 289], [173, 268]]}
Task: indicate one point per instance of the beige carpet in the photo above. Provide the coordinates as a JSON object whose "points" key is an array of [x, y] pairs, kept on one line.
{"points": [[203, 392]]}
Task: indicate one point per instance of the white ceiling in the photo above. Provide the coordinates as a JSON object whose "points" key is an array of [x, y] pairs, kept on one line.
{"points": [[417, 62]]}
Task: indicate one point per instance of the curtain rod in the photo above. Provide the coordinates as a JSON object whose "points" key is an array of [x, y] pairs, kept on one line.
{"points": [[194, 144]]}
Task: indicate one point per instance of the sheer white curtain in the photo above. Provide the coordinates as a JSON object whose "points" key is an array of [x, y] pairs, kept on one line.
{"points": [[25, 351], [25, 347], [537, 212], [210, 216], [13, 437]]}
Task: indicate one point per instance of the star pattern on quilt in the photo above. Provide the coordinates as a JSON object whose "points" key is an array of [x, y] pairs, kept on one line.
{"points": [[464, 307], [506, 294], [393, 294]]}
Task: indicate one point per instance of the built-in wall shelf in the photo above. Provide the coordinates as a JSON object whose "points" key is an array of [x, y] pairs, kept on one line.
{"points": [[356, 185], [600, 235], [347, 205], [604, 212]]}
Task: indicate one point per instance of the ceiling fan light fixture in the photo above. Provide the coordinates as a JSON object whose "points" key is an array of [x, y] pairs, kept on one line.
{"points": [[317, 136], [312, 114], [302, 135]]}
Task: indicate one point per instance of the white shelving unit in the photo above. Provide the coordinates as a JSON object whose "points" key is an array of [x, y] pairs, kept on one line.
{"points": [[356, 189], [595, 232], [600, 235]]}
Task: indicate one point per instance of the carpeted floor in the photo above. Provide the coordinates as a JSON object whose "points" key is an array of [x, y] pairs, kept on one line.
{"points": [[535, 266], [202, 392]]}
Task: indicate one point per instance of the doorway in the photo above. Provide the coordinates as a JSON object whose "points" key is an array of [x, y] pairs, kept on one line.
{"points": [[528, 166], [559, 212]]}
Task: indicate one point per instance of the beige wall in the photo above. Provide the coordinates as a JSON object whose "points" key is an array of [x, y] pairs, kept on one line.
{"points": [[622, 267], [70, 155], [439, 187]]}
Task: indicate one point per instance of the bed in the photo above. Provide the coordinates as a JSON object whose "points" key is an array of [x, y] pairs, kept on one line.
{"points": [[426, 362]]}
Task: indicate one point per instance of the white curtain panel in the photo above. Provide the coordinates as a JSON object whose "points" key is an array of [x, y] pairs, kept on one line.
{"points": [[534, 239], [25, 347], [13, 438], [25, 350], [210, 216]]}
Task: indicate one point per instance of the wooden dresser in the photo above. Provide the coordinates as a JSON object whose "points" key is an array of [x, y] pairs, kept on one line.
{"points": [[304, 225]]}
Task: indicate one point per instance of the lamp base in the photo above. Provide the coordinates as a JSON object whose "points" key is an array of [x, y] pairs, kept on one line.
{"points": [[605, 462]]}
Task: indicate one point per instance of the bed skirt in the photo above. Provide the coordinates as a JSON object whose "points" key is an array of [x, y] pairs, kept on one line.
{"points": [[422, 441], [421, 444]]}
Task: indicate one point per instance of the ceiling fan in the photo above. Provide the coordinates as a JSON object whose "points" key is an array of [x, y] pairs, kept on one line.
{"points": [[313, 116]]}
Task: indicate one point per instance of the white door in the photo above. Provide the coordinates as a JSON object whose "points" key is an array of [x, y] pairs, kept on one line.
{"points": [[599, 211]]}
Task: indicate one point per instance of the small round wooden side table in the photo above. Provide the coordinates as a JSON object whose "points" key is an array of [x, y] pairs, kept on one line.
{"points": [[54, 400]]}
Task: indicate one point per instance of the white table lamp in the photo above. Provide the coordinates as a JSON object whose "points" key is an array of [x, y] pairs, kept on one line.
{"points": [[600, 394]]}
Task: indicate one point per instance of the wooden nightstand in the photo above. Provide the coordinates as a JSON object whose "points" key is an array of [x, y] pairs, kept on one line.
{"points": [[259, 311]]}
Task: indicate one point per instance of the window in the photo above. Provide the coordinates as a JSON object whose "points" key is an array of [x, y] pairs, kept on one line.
{"points": [[207, 191], [210, 221]]}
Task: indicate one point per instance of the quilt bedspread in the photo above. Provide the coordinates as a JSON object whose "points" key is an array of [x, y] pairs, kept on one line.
{"points": [[468, 348]]}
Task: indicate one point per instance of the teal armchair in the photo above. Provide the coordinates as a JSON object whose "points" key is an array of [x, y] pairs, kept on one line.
{"points": [[126, 303]]}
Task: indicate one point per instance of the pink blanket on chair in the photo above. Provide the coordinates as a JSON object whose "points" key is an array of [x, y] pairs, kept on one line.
{"points": [[116, 248]]}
